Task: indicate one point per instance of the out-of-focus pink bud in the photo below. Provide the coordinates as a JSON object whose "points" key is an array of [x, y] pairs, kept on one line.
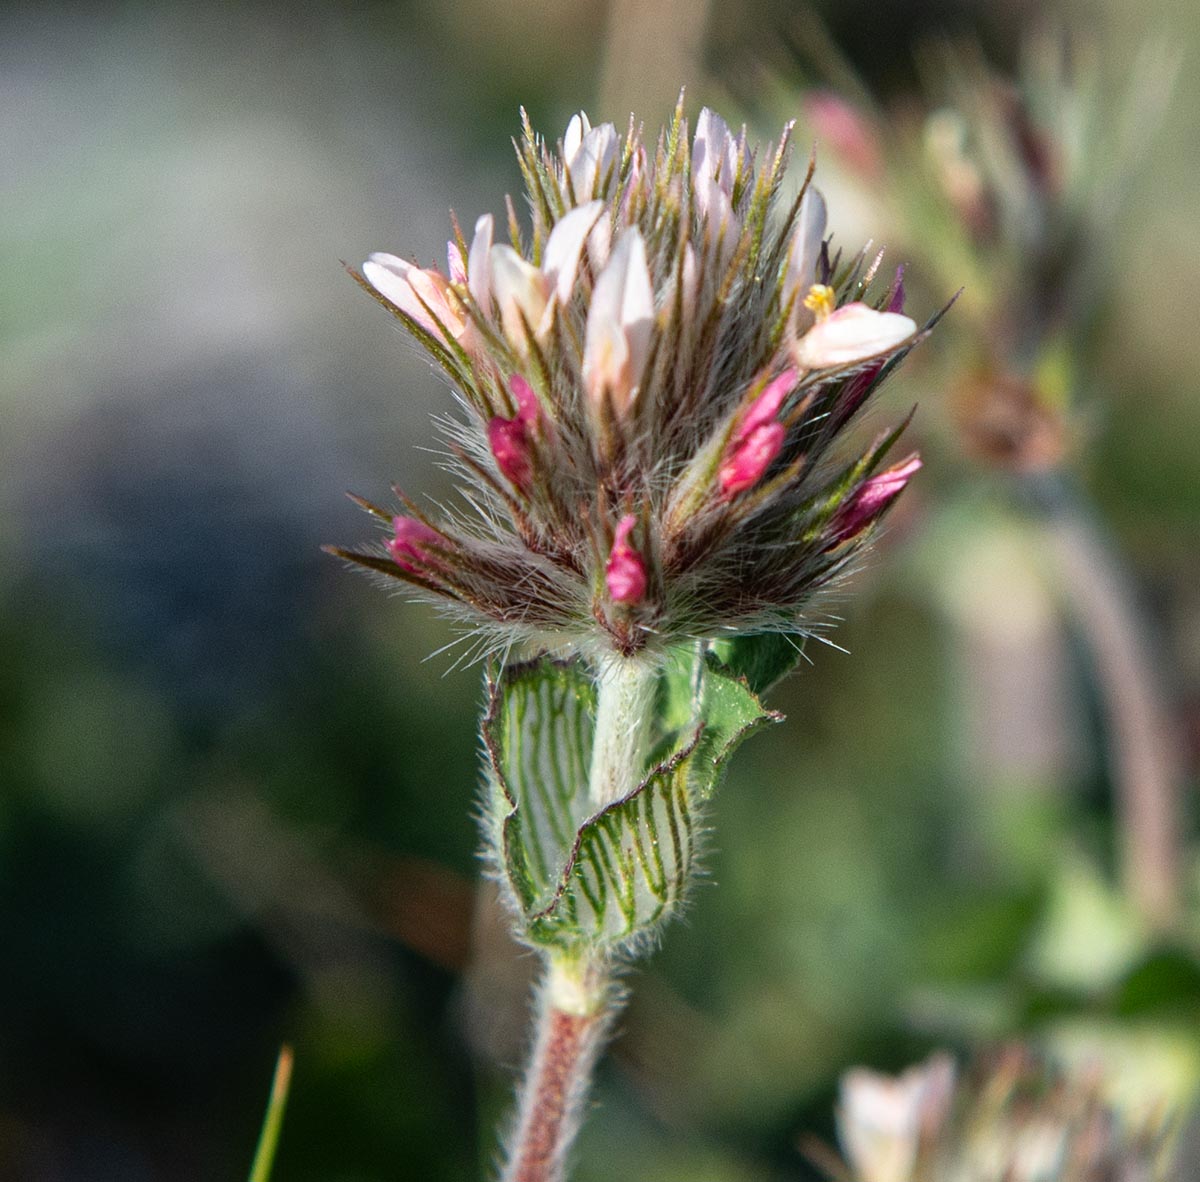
{"points": [[847, 131], [625, 572], [689, 280], [758, 438], [853, 333], [872, 498], [619, 326], [408, 543], [423, 294], [896, 303]]}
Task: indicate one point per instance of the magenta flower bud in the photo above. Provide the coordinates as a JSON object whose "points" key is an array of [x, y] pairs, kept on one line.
{"points": [[872, 498], [529, 410], [758, 438], [509, 441], [767, 405], [625, 572], [751, 458], [407, 546]]}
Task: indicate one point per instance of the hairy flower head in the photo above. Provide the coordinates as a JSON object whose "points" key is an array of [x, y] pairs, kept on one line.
{"points": [[651, 375]]}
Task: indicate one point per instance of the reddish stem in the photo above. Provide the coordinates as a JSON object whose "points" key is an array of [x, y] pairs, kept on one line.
{"points": [[569, 1040], [541, 1141]]}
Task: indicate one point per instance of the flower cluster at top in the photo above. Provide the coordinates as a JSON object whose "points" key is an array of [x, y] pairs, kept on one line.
{"points": [[651, 375]]}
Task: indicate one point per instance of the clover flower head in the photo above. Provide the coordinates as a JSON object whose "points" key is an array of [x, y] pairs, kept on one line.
{"points": [[652, 375]]}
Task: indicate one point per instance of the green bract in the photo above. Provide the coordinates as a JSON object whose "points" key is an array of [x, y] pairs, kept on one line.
{"points": [[581, 879]]}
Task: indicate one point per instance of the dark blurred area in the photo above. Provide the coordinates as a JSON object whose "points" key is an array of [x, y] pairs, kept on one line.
{"points": [[236, 788]]}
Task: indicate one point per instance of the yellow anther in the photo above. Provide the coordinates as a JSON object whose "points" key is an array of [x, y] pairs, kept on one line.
{"points": [[821, 300]]}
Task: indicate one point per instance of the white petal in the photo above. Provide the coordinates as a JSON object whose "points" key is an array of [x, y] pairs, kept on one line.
{"points": [[564, 246], [456, 264], [479, 263], [520, 289], [592, 160], [620, 323], [805, 251], [714, 151], [410, 288], [851, 334], [388, 275], [579, 126], [690, 279]]}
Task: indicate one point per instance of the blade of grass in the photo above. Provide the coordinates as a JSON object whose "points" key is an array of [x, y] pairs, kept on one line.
{"points": [[268, 1139]]}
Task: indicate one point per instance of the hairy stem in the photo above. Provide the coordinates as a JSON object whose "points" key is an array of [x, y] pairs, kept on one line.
{"points": [[576, 1004]]}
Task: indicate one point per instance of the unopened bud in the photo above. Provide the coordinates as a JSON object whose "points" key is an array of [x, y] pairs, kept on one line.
{"points": [[408, 544], [625, 572], [872, 498]]}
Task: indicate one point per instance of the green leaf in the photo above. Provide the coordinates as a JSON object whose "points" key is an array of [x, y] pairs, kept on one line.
{"points": [[762, 659], [268, 1139], [604, 880]]}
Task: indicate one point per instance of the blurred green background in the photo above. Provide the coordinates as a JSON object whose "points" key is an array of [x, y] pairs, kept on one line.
{"points": [[236, 798]]}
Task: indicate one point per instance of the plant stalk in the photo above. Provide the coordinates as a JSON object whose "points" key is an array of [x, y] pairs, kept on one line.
{"points": [[1146, 759], [577, 1003]]}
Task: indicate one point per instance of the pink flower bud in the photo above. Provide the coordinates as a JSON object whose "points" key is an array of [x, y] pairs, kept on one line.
{"points": [[767, 405], [853, 333], [509, 441], [407, 546], [872, 498], [625, 572], [529, 409], [757, 439], [746, 463]]}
